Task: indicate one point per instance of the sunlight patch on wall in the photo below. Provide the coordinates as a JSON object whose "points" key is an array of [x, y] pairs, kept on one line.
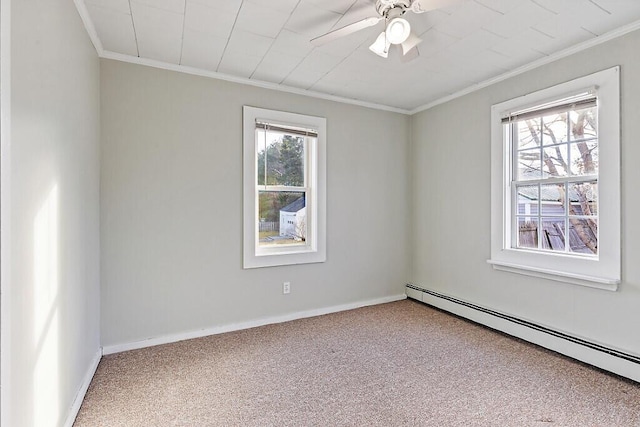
{"points": [[46, 381]]}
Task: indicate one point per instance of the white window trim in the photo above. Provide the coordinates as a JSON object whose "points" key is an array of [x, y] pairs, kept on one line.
{"points": [[602, 271], [315, 250]]}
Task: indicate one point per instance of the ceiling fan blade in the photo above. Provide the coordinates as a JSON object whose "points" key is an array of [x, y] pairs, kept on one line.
{"points": [[411, 42], [381, 46], [421, 6], [410, 55], [346, 30]]}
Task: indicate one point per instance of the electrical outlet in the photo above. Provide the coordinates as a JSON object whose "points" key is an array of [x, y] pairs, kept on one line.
{"points": [[286, 287]]}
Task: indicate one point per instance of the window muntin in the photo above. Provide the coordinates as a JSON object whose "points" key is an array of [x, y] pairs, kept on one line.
{"points": [[554, 152], [284, 188], [521, 207]]}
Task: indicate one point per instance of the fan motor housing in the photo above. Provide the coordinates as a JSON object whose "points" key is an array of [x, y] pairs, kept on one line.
{"points": [[392, 8]]}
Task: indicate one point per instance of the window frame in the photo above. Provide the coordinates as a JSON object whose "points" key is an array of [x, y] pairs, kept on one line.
{"points": [[314, 248], [601, 271]]}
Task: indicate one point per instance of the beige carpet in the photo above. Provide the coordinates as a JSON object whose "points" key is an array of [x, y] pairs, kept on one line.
{"points": [[397, 364]]}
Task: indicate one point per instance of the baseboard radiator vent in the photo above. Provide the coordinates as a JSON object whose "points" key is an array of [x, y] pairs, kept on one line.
{"points": [[622, 361]]}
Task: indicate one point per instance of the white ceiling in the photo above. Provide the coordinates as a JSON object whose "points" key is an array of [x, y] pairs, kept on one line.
{"points": [[268, 41]]}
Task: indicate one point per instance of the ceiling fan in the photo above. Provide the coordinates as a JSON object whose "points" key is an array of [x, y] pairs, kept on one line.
{"points": [[397, 30]]}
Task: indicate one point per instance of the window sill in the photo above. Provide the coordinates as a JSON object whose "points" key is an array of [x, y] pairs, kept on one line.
{"points": [[560, 276], [286, 250], [282, 259]]}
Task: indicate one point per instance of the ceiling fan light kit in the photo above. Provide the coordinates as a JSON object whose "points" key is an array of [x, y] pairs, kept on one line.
{"points": [[381, 46], [397, 29]]}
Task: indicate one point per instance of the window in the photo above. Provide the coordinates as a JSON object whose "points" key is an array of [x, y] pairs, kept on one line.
{"points": [[284, 188], [556, 182], [554, 177]]}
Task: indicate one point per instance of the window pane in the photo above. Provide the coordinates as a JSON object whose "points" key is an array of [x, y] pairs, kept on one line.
{"points": [[552, 197], [554, 128], [529, 134], [584, 124], [583, 235], [584, 198], [529, 165], [552, 234], [555, 161], [528, 233], [284, 157], [282, 218], [528, 200], [584, 158]]}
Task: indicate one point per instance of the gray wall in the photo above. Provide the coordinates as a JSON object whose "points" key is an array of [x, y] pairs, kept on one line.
{"points": [[451, 171], [171, 197], [50, 185]]}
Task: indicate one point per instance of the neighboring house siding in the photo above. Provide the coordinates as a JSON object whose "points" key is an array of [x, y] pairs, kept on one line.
{"points": [[292, 219]]}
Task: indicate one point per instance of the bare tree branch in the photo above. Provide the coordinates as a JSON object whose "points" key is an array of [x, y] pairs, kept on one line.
{"points": [[584, 229]]}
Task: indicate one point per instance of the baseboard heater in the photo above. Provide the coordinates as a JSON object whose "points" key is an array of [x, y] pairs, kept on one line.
{"points": [[423, 295]]}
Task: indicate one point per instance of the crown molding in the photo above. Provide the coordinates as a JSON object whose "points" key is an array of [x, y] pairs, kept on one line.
{"points": [[88, 25], [611, 35], [102, 53], [256, 83]]}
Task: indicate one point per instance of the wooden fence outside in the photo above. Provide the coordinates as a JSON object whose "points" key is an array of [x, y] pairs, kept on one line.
{"points": [[553, 237], [269, 226]]}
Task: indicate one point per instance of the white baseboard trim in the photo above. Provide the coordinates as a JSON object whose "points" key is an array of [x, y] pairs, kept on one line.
{"points": [[86, 381], [562, 343], [166, 339]]}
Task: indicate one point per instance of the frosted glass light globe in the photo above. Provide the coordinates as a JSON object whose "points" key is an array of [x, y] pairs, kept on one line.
{"points": [[398, 30]]}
